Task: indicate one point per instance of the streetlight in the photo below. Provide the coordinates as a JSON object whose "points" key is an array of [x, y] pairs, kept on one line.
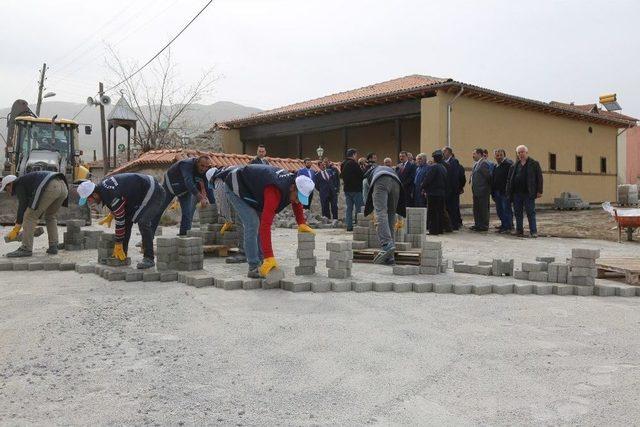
{"points": [[49, 95]]}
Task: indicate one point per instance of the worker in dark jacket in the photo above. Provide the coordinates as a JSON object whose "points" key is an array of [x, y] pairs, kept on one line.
{"points": [[258, 193], [39, 193], [421, 169], [352, 176], [261, 156], [386, 198], [406, 170], [131, 198], [499, 191], [325, 184], [524, 186], [456, 179], [186, 180], [434, 185]]}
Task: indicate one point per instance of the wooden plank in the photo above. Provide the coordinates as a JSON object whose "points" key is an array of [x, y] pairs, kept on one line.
{"points": [[216, 250]]}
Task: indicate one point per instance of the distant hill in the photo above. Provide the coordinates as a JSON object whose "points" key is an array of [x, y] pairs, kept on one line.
{"points": [[199, 116]]}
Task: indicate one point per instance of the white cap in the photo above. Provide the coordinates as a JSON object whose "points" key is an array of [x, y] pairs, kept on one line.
{"points": [[7, 180], [210, 173], [305, 187], [85, 189]]}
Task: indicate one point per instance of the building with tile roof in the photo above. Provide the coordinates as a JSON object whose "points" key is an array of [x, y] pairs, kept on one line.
{"points": [[575, 144]]}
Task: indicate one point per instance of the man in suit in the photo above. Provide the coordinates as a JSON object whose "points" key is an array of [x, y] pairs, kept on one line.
{"points": [[434, 186], [481, 189], [456, 180], [499, 193], [352, 176], [406, 171], [421, 168], [325, 184], [308, 172], [261, 156]]}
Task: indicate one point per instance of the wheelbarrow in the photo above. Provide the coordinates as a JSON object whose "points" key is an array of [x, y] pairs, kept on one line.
{"points": [[628, 222]]}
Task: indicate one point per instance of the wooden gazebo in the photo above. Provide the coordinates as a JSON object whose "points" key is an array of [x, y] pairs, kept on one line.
{"points": [[122, 115]]}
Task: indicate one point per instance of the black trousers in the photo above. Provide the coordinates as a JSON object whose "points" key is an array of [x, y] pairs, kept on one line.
{"points": [[329, 205], [435, 214], [452, 202]]}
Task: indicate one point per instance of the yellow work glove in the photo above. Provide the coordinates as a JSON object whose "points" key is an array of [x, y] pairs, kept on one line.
{"points": [[13, 234], [399, 224], [267, 265], [227, 225], [174, 205], [106, 221], [118, 252], [304, 228]]}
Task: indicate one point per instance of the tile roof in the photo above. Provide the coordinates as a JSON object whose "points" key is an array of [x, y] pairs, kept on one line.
{"points": [[417, 86], [165, 158], [593, 108]]}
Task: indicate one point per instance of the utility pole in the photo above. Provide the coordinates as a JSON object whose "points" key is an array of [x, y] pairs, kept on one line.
{"points": [[41, 88], [105, 157]]}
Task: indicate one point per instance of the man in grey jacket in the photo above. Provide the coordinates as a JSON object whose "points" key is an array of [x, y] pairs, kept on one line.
{"points": [[386, 197], [481, 189]]}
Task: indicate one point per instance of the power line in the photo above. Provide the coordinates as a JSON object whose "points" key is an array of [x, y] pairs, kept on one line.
{"points": [[163, 49]]}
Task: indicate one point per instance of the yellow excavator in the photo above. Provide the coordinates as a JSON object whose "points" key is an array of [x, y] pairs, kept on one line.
{"points": [[43, 144]]}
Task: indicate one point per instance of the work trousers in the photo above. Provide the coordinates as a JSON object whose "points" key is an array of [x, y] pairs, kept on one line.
{"points": [[385, 196], [352, 199], [452, 202], [329, 205], [148, 221], [527, 203], [435, 214], [251, 224], [187, 207], [503, 210], [50, 202], [481, 211]]}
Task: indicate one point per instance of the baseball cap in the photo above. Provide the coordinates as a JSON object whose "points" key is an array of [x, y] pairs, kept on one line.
{"points": [[305, 187], [7, 180], [85, 189]]}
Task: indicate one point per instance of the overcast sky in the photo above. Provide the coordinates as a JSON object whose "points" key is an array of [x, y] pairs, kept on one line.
{"points": [[269, 53]]}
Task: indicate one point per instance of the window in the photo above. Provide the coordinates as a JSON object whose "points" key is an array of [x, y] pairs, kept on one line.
{"points": [[552, 161], [578, 163], [590, 129], [603, 165]]}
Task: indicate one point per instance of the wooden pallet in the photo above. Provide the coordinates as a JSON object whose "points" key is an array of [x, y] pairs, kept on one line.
{"points": [[629, 268], [216, 250], [366, 256]]}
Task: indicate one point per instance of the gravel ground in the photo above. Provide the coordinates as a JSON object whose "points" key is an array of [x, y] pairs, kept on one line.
{"points": [[79, 350]]}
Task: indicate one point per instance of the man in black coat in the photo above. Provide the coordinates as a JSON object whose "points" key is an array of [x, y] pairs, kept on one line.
{"points": [[456, 179], [524, 186], [406, 171], [434, 186], [261, 156], [352, 176], [325, 184], [499, 191]]}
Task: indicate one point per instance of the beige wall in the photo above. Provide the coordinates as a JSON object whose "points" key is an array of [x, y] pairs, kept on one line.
{"points": [[229, 139], [489, 125]]}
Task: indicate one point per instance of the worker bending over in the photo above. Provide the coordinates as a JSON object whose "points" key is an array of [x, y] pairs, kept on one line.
{"points": [[131, 198], [39, 193], [258, 193], [186, 180]]}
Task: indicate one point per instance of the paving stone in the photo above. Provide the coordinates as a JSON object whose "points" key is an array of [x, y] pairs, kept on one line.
{"points": [[429, 270], [523, 288], [401, 246], [341, 265], [638, 291], [547, 259], [251, 284], [360, 244], [583, 271], [543, 289], [341, 256], [85, 268], [484, 270], [563, 289], [36, 265], [335, 273], [150, 276], [302, 270], [320, 286], [382, 286], [67, 266], [168, 276], [306, 237], [604, 291], [585, 253], [442, 288], [295, 286], [306, 246], [402, 287], [534, 266], [340, 286], [485, 263], [200, 280], [406, 270], [581, 280], [274, 276], [431, 245], [431, 253], [552, 270], [116, 275], [583, 262], [430, 262], [462, 288], [232, 284], [422, 287], [6, 266], [503, 288], [362, 286], [305, 253], [539, 276], [625, 291], [482, 288], [582, 291], [133, 276], [459, 267], [339, 246], [51, 265]]}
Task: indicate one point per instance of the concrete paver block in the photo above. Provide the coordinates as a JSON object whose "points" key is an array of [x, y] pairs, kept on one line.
{"points": [[360, 244], [302, 270], [36, 265], [430, 262], [547, 259], [462, 288], [402, 287], [430, 270], [51, 265], [274, 276], [341, 265], [85, 268], [604, 291], [20, 266], [521, 275], [341, 256], [306, 237], [442, 288], [362, 286], [563, 289], [543, 289], [320, 286], [251, 284], [422, 287], [340, 286], [482, 288], [295, 286], [150, 276], [6, 266], [168, 276], [581, 280], [460, 267], [583, 262], [67, 266], [534, 266], [306, 246], [503, 288], [335, 273], [582, 291], [406, 270], [523, 288], [625, 291], [338, 246], [484, 270], [133, 276], [382, 287], [539, 276], [585, 253], [583, 271]]}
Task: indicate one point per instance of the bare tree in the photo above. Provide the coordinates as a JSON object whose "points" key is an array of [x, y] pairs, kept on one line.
{"points": [[159, 100]]}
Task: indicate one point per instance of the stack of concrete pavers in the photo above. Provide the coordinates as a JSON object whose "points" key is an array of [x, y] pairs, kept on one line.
{"points": [[416, 225], [306, 258], [534, 271], [582, 267], [72, 238], [558, 272], [340, 259], [627, 194], [91, 238], [167, 253], [361, 232], [105, 251], [570, 201], [483, 268], [501, 267], [431, 261], [190, 253]]}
